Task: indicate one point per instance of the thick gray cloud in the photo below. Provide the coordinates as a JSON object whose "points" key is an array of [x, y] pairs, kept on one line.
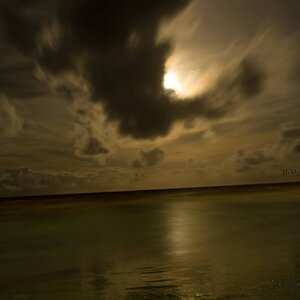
{"points": [[10, 121], [113, 45]]}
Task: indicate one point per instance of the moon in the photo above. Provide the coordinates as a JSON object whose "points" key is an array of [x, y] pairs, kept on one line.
{"points": [[171, 82]]}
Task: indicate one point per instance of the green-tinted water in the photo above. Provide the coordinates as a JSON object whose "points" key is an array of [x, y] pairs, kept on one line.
{"points": [[177, 246]]}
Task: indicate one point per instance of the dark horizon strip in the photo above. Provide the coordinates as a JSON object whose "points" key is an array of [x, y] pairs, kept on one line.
{"points": [[206, 189]]}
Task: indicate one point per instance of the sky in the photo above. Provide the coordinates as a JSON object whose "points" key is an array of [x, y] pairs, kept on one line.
{"points": [[126, 95]]}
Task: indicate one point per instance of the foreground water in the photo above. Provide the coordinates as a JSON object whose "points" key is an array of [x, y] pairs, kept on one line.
{"points": [[239, 245]]}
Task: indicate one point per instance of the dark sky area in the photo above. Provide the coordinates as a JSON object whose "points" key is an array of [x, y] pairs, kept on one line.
{"points": [[125, 95]]}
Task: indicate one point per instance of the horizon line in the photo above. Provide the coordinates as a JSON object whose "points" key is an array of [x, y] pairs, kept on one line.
{"points": [[209, 187]]}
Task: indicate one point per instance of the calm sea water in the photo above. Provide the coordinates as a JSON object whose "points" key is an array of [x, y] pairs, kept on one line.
{"points": [[243, 245]]}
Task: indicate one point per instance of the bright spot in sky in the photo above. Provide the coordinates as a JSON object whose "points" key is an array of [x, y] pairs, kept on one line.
{"points": [[171, 82]]}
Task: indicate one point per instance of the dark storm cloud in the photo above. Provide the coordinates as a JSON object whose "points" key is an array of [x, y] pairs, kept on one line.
{"points": [[14, 21], [20, 22], [149, 158], [113, 45]]}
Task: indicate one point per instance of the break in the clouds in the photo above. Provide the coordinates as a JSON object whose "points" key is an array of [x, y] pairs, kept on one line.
{"points": [[83, 93]]}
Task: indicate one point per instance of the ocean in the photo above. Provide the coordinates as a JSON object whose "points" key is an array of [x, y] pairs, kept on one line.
{"points": [[230, 243]]}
